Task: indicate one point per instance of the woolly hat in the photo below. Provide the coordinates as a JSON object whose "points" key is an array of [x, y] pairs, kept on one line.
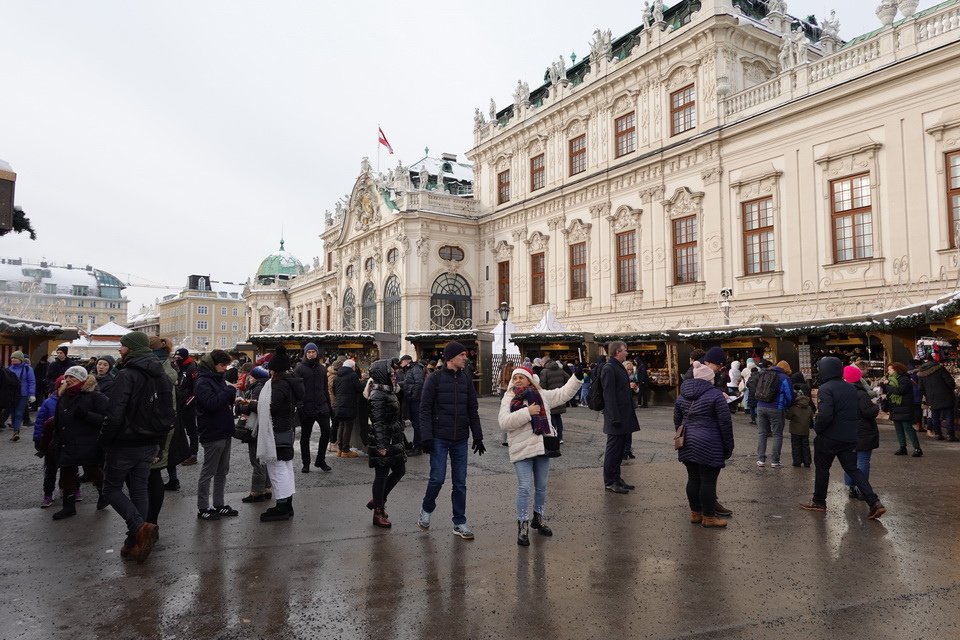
{"points": [[259, 373], [77, 372], [280, 360], [785, 366], [310, 346], [108, 359], [350, 362], [538, 362], [526, 372], [452, 350], [715, 355], [702, 372], [852, 374], [65, 350], [18, 355], [182, 353], [136, 341]]}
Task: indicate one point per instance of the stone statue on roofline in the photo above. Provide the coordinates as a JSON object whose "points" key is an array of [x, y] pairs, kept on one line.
{"points": [[799, 46], [657, 11], [493, 110], [785, 57], [557, 71], [647, 15], [831, 26], [776, 6], [424, 178], [478, 120], [521, 95], [601, 46]]}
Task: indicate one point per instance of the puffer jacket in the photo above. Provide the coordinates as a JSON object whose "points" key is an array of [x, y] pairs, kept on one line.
{"points": [[314, 377], [449, 408], [214, 401], [868, 435], [386, 425], [838, 414], [77, 422], [554, 377], [286, 397], [937, 385], [785, 394], [347, 388], [900, 385], [523, 442], [708, 428], [413, 380], [28, 382]]}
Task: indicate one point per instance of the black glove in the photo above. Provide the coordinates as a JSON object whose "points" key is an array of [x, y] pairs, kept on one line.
{"points": [[426, 446], [578, 374], [478, 447]]}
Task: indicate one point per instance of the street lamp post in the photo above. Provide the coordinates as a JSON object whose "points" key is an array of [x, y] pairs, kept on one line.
{"points": [[725, 295], [504, 311]]}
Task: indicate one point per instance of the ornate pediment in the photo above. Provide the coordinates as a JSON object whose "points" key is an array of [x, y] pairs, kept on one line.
{"points": [[363, 206], [681, 75], [578, 231], [537, 241], [625, 217], [684, 203], [849, 155], [502, 251], [757, 181]]}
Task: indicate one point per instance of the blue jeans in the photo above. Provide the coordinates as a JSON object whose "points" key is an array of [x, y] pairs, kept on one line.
{"points": [[457, 450], [774, 419], [863, 463], [940, 418], [17, 419], [584, 392], [531, 471]]}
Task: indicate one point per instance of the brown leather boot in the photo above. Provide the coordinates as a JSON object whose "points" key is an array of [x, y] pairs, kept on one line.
{"points": [[696, 517], [380, 519], [713, 522]]}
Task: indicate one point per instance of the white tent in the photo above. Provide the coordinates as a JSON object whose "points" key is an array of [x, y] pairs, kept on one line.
{"points": [[548, 324], [497, 348]]}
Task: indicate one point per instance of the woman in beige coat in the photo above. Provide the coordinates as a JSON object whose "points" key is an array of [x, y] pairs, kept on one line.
{"points": [[525, 417]]}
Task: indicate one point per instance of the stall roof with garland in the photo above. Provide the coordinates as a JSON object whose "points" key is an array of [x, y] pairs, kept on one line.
{"points": [[443, 335], [544, 338], [325, 336], [23, 326]]}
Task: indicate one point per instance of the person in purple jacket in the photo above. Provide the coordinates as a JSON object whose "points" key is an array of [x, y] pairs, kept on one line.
{"points": [[50, 462], [708, 441], [28, 389]]}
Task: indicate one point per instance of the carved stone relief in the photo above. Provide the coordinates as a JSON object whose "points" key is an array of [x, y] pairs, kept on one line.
{"points": [[537, 241], [683, 203], [625, 217], [577, 231]]}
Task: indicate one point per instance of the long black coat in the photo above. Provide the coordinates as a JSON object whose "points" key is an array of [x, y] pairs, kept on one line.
{"points": [[346, 391], [77, 425], [286, 396], [868, 435], [386, 428], [838, 415], [902, 412], [937, 385], [314, 377], [619, 416]]}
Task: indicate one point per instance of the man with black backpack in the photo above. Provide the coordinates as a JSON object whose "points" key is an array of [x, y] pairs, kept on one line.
{"points": [[139, 415], [774, 394]]}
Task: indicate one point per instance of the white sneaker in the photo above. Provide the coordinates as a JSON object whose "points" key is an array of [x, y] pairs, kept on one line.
{"points": [[424, 520], [761, 463], [776, 465], [463, 531]]}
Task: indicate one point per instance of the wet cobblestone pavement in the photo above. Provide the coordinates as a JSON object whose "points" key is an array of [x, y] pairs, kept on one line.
{"points": [[621, 566]]}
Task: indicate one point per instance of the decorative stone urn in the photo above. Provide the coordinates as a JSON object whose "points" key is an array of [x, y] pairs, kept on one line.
{"points": [[887, 11], [907, 7]]}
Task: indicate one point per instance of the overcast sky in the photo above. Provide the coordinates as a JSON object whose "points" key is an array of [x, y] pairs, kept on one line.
{"points": [[158, 139]]}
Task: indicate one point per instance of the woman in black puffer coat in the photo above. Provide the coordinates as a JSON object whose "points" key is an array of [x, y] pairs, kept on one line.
{"points": [[80, 413], [385, 441]]}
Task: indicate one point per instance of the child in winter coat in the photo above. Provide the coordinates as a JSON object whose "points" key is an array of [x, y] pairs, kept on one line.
{"points": [[800, 417], [42, 437]]}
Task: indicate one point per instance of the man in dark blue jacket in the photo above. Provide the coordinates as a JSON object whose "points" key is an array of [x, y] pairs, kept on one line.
{"points": [[836, 423], [449, 412], [619, 417], [770, 415], [414, 376], [215, 398]]}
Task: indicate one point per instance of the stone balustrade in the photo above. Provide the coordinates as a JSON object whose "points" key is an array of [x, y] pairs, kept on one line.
{"points": [[931, 26], [759, 94]]}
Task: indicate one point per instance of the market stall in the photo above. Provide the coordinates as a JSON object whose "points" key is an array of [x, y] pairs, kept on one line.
{"points": [[659, 352], [430, 344], [563, 346], [365, 348]]}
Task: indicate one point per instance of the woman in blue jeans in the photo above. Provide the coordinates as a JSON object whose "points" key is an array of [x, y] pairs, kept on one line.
{"points": [[868, 435], [525, 417]]}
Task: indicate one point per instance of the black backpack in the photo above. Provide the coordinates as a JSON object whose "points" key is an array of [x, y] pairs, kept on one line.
{"points": [[153, 414], [595, 393], [9, 389], [768, 386]]}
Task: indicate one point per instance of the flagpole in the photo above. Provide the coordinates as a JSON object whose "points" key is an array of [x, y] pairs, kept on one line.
{"points": [[378, 147]]}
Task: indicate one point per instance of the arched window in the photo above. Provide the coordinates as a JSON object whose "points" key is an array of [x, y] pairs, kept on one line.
{"points": [[391, 305], [368, 308], [368, 264], [349, 310], [392, 256], [451, 304]]}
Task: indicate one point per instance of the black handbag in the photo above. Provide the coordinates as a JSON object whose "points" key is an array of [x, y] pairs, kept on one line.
{"points": [[551, 446], [242, 432]]}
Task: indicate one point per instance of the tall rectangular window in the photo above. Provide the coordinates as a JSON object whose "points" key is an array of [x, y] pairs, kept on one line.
{"points": [[329, 315], [538, 281], [578, 154], [201, 324], [626, 261], [300, 321], [625, 134], [578, 270], [537, 173], [683, 110], [308, 319], [503, 186], [685, 250], [758, 252], [953, 197], [202, 310], [852, 218], [503, 282]]}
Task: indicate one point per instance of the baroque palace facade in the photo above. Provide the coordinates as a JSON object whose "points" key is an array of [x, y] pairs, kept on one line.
{"points": [[721, 165]]}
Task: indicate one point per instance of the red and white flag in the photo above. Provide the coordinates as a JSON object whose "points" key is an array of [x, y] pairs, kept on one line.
{"points": [[383, 140]]}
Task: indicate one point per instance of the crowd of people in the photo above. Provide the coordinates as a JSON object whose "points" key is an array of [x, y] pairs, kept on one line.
{"points": [[125, 421]]}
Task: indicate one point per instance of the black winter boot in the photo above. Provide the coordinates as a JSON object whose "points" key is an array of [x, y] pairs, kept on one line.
{"points": [[523, 533], [102, 502], [283, 510], [540, 525], [69, 508]]}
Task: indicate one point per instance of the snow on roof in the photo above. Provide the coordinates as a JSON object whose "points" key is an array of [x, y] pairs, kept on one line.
{"points": [[4, 166], [459, 171], [62, 277], [110, 329]]}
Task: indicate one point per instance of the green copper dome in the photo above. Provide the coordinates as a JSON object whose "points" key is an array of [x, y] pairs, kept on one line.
{"points": [[279, 265]]}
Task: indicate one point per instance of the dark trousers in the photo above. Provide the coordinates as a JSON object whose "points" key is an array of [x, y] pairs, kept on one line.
{"points": [[120, 463], [702, 488], [557, 420], [385, 480], [613, 457], [155, 495], [800, 449], [188, 415], [941, 417], [824, 451], [345, 432], [51, 464], [70, 479], [306, 430], [643, 390]]}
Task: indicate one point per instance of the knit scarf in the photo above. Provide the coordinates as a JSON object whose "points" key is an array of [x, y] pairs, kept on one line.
{"points": [[895, 400], [266, 445], [523, 399]]}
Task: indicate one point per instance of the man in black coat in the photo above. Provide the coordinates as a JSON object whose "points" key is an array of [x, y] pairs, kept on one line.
{"points": [[347, 388], [186, 409], [414, 376], [836, 424], [449, 413], [57, 368], [316, 406], [619, 417], [937, 386]]}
